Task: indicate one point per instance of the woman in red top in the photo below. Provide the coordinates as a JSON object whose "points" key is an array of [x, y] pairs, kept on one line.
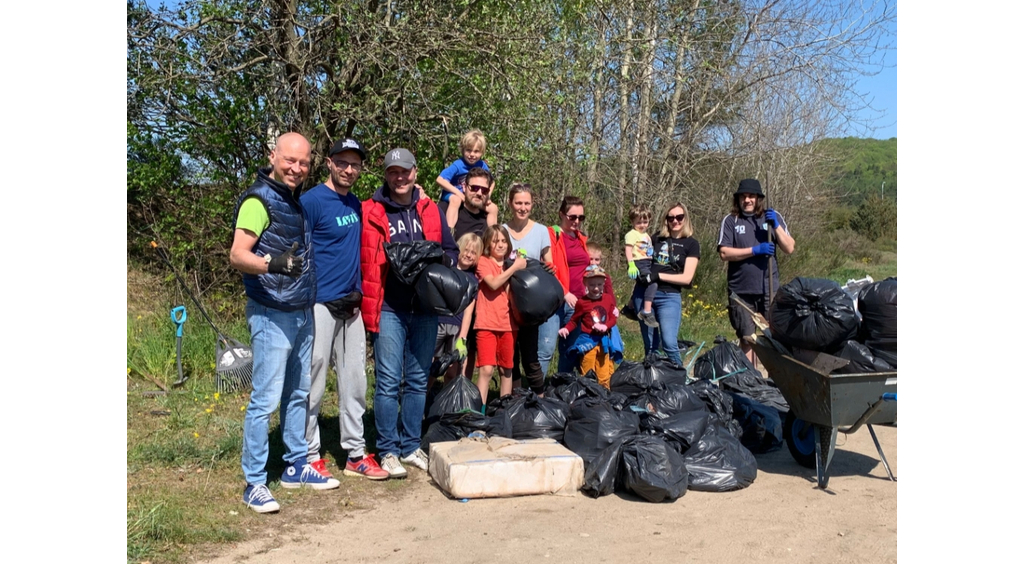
{"points": [[495, 330], [570, 257]]}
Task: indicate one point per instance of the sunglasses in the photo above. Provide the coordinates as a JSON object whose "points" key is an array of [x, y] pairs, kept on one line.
{"points": [[482, 189], [679, 217], [579, 217]]}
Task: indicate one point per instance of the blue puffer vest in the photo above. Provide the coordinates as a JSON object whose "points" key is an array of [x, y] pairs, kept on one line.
{"points": [[287, 226]]}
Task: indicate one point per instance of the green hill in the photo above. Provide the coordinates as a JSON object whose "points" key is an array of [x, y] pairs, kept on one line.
{"points": [[860, 166]]}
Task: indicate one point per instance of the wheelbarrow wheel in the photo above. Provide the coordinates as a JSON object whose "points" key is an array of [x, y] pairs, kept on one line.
{"points": [[800, 437]]}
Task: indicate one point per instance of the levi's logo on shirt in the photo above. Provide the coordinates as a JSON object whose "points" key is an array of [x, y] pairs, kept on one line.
{"points": [[349, 219]]}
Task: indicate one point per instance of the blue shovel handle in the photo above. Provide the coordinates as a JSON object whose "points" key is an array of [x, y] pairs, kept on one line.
{"points": [[178, 316]]}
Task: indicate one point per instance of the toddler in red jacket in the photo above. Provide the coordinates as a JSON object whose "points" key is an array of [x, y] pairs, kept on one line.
{"points": [[595, 314]]}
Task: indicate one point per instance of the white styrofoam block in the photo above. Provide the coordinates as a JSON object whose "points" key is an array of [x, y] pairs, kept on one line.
{"points": [[500, 467]]}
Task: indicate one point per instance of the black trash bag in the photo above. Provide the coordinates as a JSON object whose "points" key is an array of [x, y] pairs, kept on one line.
{"points": [[667, 399], [681, 430], [535, 417], [594, 425], [570, 387], [724, 358], [634, 377], [861, 359], [757, 388], [719, 404], [534, 294], [888, 357], [458, 395], [442, 363], [719, 463], [728, 358], [600, 476], [814, 314], [445, 291], [762, 425], [407, 260], [652, 469], [455, 426], [877, 304]]}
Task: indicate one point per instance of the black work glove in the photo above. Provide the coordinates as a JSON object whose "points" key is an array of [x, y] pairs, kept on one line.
{"points": [[286, 263], [651, 278]]}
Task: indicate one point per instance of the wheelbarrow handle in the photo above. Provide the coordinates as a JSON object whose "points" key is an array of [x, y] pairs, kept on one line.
{"points": [[178, 316], [889, 396]]}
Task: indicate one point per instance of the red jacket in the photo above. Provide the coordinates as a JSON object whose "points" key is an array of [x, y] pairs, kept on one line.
{"points": [[558, 256], [373, 261]]}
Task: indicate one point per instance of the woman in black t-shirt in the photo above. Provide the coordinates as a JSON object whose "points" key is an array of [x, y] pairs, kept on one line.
{"points": [[676, 254]]}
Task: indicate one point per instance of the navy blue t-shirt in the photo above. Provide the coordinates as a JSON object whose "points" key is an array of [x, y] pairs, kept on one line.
{"points": [[336, 222], [750, 275]]}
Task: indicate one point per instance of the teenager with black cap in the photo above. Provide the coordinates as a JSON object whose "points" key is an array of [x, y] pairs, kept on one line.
{"points": [[745, 242]]}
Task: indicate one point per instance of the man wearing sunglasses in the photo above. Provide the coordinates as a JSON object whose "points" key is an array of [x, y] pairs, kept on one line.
{"points": [[745, 242], [473, 217]]}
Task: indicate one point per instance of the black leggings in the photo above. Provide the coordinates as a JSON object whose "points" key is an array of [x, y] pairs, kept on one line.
{"points": [[526, 350]]}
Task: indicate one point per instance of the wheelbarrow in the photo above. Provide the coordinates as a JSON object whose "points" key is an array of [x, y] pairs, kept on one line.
{"points": [[823, 403]]}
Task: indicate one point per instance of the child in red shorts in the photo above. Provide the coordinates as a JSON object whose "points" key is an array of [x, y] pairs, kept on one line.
{"points": [[596, 314], [495, 331]]}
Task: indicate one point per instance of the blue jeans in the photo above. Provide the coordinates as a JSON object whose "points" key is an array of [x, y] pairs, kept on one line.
{"points": [[668, 310], [547, 338], [403, 348], [565, 364], [282, 342]]}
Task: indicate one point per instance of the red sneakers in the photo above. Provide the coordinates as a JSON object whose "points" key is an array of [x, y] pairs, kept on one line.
{"points": [[321, 467], [367, 467]]}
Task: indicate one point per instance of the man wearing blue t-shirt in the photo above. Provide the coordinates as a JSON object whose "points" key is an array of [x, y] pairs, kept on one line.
{"points": [[334, 215]]}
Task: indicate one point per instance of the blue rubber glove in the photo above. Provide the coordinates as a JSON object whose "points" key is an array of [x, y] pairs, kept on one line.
{"points": [[764, 249], [633, 270], [772, 217]]}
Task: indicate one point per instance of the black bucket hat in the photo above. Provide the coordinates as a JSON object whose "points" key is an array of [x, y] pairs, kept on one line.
{"points": [[749, 186]]}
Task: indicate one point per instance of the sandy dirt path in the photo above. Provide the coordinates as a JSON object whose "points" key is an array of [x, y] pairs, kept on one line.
{"points": [[782, 517]]}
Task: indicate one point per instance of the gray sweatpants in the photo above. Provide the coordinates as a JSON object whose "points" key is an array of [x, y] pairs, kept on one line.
{"points": [[343, 344]]}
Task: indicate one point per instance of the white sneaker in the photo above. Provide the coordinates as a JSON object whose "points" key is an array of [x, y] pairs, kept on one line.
{"points": [[393, 466], [418, 459]]}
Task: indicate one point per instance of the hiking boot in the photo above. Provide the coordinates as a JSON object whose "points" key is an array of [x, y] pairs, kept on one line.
{"points": [[648, 318], [367, 467], [393, 467], [320, 465], [418, 458], [301, 474], [259, 499]]}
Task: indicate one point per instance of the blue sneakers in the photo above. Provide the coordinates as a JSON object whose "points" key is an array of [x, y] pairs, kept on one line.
{"points": [[259, 499], [301, 474]]}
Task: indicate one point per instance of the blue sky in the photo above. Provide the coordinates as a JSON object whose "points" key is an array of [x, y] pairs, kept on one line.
{"points": [[883, 88], [881, 91]]}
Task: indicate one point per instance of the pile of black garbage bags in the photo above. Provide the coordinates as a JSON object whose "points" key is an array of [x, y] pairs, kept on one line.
{"points": [[819, 315], [655, 434]]}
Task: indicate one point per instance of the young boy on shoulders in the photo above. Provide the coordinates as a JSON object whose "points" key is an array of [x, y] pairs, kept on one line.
{"points": [[472, 145]]}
